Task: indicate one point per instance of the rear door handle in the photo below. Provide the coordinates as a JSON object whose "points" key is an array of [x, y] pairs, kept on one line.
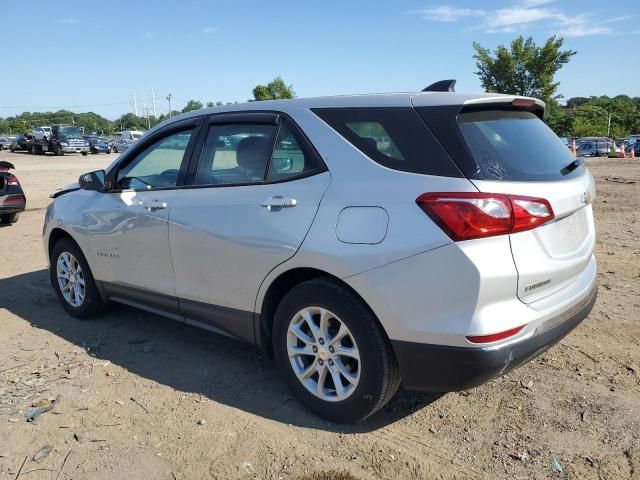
{"points": [[278, 202], [153, 205]]}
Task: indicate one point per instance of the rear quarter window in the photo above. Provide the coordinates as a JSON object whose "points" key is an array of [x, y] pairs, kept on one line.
{"points": [[396, 138]]}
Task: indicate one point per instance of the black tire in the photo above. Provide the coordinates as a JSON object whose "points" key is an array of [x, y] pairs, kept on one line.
{"points": [[9, 218], [379, 377], [84, 154], [92, 304]]}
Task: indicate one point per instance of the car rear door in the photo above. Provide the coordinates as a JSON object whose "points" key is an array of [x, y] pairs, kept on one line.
{"points": [[253, 192], [504, 149]]}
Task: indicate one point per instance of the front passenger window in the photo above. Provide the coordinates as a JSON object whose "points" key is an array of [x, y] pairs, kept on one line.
{"points": [[158, 165]]}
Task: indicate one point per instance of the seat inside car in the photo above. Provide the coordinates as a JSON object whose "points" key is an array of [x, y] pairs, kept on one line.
{"points": [[252, 155]]}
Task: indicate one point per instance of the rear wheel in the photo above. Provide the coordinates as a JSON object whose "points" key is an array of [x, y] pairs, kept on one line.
{"points": [[73, 281], [9, 218], [84, 154], [333, 353]]}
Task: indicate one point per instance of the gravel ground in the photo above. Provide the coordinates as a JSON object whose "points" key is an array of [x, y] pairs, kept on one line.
{"points": [[140, 396]]}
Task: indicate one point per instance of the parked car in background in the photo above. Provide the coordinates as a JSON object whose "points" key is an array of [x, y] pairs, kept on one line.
{"points": [[12, 199], [21, 142], [120, 145], [41, 133], [593, 149], [5, 143], [97, 144], [433, 239]]}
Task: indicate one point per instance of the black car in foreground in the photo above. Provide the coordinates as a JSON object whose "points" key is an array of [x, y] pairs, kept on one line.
{"points": [[12, 199], [98, 144]]}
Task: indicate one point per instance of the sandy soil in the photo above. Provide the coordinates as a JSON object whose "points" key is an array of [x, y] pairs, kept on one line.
{"points": [[145, 397]]}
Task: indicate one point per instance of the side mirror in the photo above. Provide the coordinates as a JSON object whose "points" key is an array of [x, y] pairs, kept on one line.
{"points": [[282, 165], [92, 181]]}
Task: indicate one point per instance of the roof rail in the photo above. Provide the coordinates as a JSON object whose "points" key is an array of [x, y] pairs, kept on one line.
{"points": [[441, 86]]}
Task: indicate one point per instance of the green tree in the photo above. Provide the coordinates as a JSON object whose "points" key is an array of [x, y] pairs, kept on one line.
{"points": [[524, 69], [192, 105], [274, 90], [559, 121]]}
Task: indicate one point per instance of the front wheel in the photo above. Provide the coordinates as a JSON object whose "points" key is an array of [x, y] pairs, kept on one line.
{"points": [[333, 353], [84, 154], [73, 281]]}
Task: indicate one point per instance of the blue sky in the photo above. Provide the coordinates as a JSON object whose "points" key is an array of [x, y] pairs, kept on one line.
{"points": [[91, 56]]}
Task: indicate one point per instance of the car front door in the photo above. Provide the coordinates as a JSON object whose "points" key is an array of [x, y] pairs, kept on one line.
{"points": [[129, 224], [253, 192]]}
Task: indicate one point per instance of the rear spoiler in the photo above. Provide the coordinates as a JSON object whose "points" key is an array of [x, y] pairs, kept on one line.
{"points": [[530, 104]]}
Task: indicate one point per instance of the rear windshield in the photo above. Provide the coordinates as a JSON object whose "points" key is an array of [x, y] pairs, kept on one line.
{"points": [[394, 137], [514, 145]]}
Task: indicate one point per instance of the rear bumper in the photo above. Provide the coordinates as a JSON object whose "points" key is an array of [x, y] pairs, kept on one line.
{"points": [[442, 368]]}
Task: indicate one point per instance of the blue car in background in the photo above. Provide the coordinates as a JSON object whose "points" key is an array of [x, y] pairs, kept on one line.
{"points": [[98, 144]]}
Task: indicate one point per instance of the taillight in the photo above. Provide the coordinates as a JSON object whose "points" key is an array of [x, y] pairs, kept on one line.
{"points": [[494, 337], [469, 215], [15, 199], [11, 180]]}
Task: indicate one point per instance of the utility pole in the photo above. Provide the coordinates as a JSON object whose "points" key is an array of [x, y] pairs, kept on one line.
{"points": [[169, 100], [146, 109], [135, 104], [153, 99], [609, 125]]}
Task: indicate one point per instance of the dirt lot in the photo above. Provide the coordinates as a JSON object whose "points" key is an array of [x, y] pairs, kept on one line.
{"points": [[145, 397]]}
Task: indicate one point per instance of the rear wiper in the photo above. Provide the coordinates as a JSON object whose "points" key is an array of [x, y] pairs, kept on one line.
{"points": [[572, 166]]}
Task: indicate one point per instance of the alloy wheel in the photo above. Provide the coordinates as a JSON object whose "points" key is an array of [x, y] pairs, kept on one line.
{"points": [[70, 279], [323, 354]]}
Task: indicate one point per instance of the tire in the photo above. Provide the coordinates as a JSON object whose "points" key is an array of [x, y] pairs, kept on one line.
{"points": [[9, 218], [91, 304], [376, 372], [84, 154]]}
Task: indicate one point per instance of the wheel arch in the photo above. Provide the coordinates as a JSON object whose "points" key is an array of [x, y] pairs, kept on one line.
{"points": [[279, 287]]}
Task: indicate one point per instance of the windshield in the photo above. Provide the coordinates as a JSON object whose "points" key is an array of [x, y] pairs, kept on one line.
{"points": [[70, 131], [514, 145], [136, 136]]}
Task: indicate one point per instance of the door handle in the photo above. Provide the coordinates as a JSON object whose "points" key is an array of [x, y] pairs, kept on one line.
{"points": [[153, 205], [278, 202]]}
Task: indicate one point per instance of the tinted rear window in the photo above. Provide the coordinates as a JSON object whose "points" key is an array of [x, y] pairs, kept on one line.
{"points": [[514, 145], [394, 137]]}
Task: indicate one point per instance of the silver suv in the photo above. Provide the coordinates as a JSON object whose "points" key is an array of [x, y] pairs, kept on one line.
{"points": [[433, 239]]}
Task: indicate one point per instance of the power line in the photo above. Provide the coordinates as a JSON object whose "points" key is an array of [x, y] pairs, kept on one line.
{"points": [[18, 107]]}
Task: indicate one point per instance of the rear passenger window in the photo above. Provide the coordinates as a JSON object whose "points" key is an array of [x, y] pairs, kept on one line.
{"points": [[236, 154], [395, 137]]}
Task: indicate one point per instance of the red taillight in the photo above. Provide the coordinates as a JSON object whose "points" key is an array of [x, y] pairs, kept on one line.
{"points": [[15, 199], [11, 180], [494, 337], [469, 215]]}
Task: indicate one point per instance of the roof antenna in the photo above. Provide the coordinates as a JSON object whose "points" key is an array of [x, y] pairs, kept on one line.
{"points": [[441, 86]]}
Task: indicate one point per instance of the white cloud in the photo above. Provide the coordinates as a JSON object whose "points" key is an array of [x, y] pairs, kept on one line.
{"points": [[507, 17], [524, 15], [619, 19], [209, 30], [536, 3], [67, 21], [447, 13], [147, 35], [583, 30]]}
